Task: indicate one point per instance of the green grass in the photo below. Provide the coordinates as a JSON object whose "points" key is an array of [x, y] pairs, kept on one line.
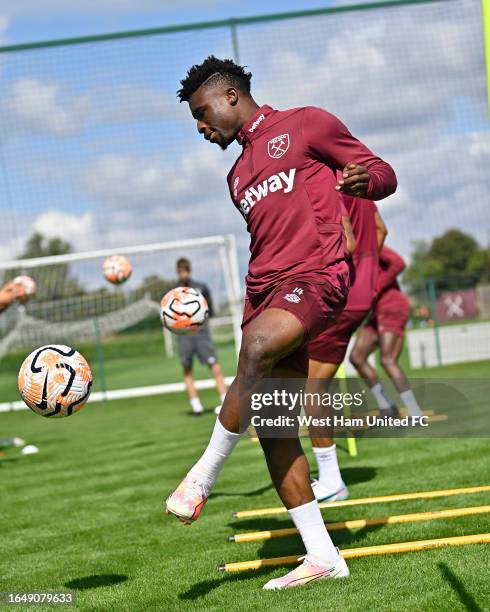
{"points": [[138, 359], [139, 362], [85, 514]]}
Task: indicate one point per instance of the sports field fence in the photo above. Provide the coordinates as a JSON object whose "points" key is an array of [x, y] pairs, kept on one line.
{"points": [[96, 150]]}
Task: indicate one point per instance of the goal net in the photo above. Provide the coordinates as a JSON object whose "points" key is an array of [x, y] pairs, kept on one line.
{"points": [[118, 328]]}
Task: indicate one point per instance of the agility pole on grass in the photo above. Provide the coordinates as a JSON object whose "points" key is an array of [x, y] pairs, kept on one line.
{"points": [[254, 536], [366, 551], [351, 441], [368, 500]]}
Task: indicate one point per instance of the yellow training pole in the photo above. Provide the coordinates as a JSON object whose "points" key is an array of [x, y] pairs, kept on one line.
{"points": [[351, 442], [354, 553], [370, 500], [485, 7], [254, 536]]}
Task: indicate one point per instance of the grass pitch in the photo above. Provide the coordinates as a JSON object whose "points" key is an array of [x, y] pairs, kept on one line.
{"points": [[85, 514]]}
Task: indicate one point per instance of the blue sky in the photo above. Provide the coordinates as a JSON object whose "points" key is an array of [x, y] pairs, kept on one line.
{"points": [[96, 147], [48, 19]]}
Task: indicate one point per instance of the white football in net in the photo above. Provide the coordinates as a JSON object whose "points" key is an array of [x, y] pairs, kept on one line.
{"points": [[55, 381], [117, 269], [183, 310]]}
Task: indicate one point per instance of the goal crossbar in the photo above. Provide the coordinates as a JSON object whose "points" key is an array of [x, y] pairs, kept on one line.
{"points": [[39, 262]]}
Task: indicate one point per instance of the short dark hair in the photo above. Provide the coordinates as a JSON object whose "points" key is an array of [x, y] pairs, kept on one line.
{"points": [[183, 262], [223, 70]]}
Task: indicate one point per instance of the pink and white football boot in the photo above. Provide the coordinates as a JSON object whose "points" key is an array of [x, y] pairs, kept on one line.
{"points": [[187, 501], [310, 570]]}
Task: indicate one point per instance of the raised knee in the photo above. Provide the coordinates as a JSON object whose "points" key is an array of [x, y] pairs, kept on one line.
{"points": [[255, 355]]}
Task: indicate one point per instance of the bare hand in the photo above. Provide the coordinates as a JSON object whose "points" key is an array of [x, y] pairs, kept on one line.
{"points": [[10, 292], [355, 181]]}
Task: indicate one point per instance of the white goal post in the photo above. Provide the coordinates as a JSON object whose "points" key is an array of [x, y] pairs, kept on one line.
{"points": [[227, 253], [87, 308]]}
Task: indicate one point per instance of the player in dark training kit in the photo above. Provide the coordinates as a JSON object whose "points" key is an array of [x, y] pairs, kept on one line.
{"points": [[198, 344], [284, 185]]}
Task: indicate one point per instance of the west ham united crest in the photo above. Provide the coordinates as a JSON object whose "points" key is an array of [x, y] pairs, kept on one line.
{"points": [[278, 146]]}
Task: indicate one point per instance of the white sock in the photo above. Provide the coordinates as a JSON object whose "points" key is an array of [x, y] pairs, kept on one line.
{"points": [[382, 398], [222, 397], [410, 402], [196, 405], [328, 467], [308, 521], [220, 447]]}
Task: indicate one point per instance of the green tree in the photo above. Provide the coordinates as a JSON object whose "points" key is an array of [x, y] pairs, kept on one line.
{"points": [[453, 250], [54, 281], [154, 286], [40, 246], [421, 268], [453, 260]]}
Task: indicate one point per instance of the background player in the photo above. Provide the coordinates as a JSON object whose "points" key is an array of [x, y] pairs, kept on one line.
{"points": [[285, 187], [385, 328], [199, 344], [9, 293], [327, 351]]}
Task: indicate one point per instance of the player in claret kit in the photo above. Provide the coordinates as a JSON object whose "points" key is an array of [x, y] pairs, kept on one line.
{"points": [[327, 351], [284, 185], [386, 328]]}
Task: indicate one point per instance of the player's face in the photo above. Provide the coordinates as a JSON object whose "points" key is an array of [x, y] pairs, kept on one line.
{"points": [[184, 274], [215, 110]]}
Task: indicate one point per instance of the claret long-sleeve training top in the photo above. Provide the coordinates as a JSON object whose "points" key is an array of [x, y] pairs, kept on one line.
{"points": [[365, 258], [389, 295], [390, 266], [283, 183]]}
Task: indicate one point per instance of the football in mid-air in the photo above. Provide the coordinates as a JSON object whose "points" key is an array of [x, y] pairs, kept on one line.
{"points": [[28, 285], [55, 381], [183, 310], [117, 269]]}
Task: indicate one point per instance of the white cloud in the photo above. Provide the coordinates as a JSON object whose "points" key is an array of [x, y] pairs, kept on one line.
{"points": [[397, 81], [443, 190], [400, 70], [131, 102], [161, 199], [34, 106], [172, 185], [6, 252], [77, 229], [4, 25], [392, 76]]}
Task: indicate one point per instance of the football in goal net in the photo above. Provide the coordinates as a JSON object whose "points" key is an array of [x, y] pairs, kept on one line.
{"points": [[117, 327]]}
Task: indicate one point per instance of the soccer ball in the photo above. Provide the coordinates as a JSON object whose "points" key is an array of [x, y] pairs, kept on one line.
{"points": [[183, 310], [28, 285], [117, 269], [55, 381]]}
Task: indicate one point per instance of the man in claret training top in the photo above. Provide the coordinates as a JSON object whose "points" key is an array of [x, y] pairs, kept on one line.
{"points": [[328, 349], [386, 328], [284, 185]]}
